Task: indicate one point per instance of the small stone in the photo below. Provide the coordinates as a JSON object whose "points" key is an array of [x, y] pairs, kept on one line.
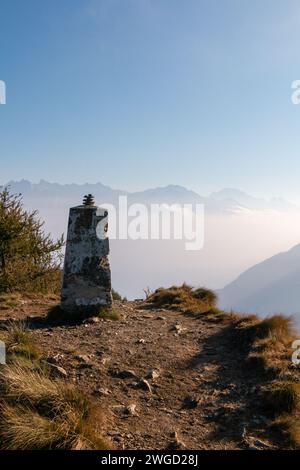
{"points": [[152, 374], [191, 401], [83, 358], [130, 410], [124, 374], [257, 444], [104, 360], [93, 320], [102, 391], [144, 384], [141, 341], [177, 443], [85, 361], [177, 328], [160, 318], [254, 443], [55, 359], [57, 370]]}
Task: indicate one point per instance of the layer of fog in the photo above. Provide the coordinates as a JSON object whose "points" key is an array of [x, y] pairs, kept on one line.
{"points": [[232, 244]]}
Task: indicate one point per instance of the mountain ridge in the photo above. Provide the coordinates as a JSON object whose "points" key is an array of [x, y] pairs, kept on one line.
{"points": [[268, 287], [226, 200]]}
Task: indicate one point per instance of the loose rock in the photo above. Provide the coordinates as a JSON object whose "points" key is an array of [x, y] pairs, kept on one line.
{"points": [[177, 443], [191, 401], [57, 370], [152, 374], [124, 374], [144, 384], [130, 410]]}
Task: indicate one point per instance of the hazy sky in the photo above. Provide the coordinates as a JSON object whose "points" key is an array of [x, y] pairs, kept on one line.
{"points": [[140, 93]]}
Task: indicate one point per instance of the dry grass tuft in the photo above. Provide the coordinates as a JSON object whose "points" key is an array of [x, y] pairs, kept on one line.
{"points": [[283, 397], [9, 301], [267, 341], [24, 429], [205, 295], [39, 413], [276, 328], [267, 344], [288, 430], [19, 342], [184, 298]]}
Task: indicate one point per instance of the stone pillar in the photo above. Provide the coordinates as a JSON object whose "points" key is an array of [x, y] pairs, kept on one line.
{"points": [[86, 284]]}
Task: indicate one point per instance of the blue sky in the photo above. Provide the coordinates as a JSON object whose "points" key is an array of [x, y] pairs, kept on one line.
{"points": [[142, 93]]}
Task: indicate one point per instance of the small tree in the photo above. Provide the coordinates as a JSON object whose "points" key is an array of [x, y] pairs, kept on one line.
{"points": [[29, 259]]}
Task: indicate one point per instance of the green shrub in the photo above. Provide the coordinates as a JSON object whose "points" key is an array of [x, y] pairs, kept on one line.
{"points": [[29, 259]]}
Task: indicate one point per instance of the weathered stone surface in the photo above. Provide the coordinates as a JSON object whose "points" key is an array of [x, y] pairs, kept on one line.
{"points": [[86, 284]]}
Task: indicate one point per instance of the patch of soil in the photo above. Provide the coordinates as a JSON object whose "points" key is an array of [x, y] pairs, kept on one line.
{"points": [[163, 379]]}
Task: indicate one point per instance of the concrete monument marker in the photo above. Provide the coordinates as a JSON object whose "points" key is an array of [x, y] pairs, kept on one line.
{"points": [[86, 285]]}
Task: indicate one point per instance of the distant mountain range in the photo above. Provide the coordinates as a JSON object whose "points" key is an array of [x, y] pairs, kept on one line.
{"points": [[272, 286], [225, 201]]}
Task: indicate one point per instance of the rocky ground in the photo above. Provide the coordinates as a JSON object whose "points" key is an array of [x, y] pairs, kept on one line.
{"points": [[163, 379]]}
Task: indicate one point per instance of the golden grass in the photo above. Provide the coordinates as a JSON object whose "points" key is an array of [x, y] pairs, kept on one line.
{"points": [[268, 348], [24, 429], [19, 341], [283, 397], [268, 341], [9, 301], [288, 429], [37, 412], [277, 328], [183, 298]]}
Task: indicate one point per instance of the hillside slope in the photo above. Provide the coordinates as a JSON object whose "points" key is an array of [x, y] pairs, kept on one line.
{"points": [[269, 287]]}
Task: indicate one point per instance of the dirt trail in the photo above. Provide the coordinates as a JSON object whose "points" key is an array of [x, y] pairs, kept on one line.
{"points": [[200, 388]]}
